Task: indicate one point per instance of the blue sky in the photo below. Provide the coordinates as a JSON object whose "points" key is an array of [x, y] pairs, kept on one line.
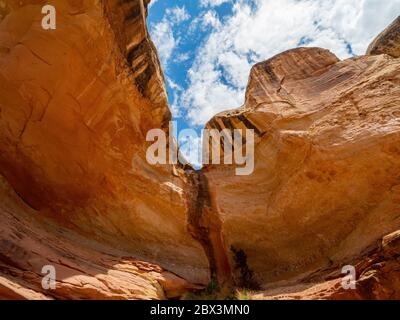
{"points": [[207, 47], [179, 17]]}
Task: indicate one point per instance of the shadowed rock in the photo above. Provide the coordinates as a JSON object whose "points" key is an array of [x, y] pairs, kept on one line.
{"points": [[388, 41]]}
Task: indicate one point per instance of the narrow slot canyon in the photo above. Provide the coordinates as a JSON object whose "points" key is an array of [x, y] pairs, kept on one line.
{"points": [[78, 194]]}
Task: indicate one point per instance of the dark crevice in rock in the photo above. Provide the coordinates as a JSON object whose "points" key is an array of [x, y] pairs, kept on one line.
{"points": [[127, 18], [249, 124], [205, 226], [228, 123], [134, 12], [142, 69]]}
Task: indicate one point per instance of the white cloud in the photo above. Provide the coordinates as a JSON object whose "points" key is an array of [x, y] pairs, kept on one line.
{"points": [[152, 2], [182, 57], [175, 108], [163, 33], [177, 89], [212, 3], [218, 76], [178, 14], [194, 23], [173, 85], [164, 40], [210, 18]]}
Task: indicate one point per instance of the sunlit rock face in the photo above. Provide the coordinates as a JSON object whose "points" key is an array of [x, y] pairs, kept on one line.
{"points": [[388, 42], [326, 183], [84, 269], [76, 104]]}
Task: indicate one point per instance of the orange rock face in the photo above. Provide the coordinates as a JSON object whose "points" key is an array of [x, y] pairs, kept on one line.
{"points": [[326, 182], [77, 193]]}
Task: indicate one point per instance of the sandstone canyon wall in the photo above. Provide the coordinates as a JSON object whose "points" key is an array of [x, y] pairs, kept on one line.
{"points": [[75, 106], [77, 192], [327, 163]]}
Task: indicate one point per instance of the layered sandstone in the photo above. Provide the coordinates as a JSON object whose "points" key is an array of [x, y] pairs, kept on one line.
{"points": [[326, 183], [76, 104], [378, 278]]}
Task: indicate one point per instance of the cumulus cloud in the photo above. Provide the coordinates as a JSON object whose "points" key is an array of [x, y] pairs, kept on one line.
{"points": [[259, 29], [173, 85], [212, 3], [178, 15], [210, 18], [164, 40], [176, 92], [163, 32], [182, 57]]}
